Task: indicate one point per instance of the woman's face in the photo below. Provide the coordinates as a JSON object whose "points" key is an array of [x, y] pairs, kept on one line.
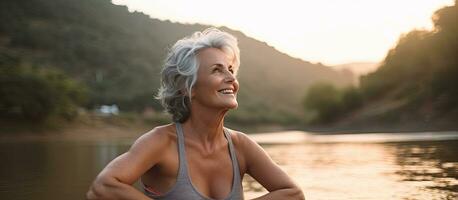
{"points": [[216, 84]]}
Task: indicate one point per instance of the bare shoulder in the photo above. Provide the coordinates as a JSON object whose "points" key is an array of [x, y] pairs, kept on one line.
{"points": [[157, 138], [240, 139], [147, 151], [245, 147]]}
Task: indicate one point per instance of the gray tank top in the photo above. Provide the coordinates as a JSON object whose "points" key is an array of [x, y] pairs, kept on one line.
{"points": [[183, 188]]}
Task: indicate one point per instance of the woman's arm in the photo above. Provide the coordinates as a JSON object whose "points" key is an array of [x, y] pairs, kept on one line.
{"points": [[116, 179], [264, 170], [111, 183]]}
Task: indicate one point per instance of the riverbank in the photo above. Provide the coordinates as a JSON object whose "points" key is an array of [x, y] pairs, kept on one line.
{"points": [[94, 127], [371, 127]]}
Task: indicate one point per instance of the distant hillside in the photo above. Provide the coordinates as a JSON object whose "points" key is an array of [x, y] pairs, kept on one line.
{"points": [[277, 80], [415, 87], [358, 68], [118, 56]]}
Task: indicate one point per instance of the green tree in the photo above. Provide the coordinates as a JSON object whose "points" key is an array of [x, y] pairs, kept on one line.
{"points": [[351, 98], [324, 100], [36, 94]]}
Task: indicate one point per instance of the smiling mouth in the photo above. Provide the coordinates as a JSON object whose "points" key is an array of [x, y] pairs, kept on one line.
{"points": [[226, 91]]}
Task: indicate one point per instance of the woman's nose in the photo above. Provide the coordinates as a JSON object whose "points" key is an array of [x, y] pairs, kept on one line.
{"points": [[229, 76]]}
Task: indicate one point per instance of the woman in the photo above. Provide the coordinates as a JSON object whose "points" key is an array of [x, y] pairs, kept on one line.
{"points": [[196, 157]]}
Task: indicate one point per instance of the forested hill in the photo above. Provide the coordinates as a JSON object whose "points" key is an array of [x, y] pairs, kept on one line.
{"points": [[117, 55], [415, 87], [417, 82]]}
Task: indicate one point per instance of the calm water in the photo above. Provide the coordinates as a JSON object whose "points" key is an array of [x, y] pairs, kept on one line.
{"points": [[326, 167]]}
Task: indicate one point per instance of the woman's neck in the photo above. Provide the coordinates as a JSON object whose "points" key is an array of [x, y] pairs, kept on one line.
{"points": [[205, 125]]}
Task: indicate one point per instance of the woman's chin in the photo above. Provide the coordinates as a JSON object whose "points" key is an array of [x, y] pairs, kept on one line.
{"points": [[233, 106]]}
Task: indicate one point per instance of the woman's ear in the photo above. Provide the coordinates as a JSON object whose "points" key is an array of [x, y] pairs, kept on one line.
{"points": [[193, 93], [185, 92]]}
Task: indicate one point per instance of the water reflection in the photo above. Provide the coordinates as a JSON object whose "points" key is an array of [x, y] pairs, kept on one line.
{"points": [[417, 170], [431, 165], [401, 170], [51, 170], [337, 171]]}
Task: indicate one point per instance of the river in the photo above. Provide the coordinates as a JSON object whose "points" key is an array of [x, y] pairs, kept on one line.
{"points": [[382, 166]]}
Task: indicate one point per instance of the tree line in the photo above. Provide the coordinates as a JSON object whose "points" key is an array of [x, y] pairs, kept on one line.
{"points": [[420, 73]]}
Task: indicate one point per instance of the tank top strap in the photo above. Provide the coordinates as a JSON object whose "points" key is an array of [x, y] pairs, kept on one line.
{"points": [[235, 165], [182, 169]]}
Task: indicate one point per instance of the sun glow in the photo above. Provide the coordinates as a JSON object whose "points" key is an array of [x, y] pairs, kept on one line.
{"points": [[329, 31]]}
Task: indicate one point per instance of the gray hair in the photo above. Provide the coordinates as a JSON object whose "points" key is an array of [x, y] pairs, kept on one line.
{"points": [[179, 73]]}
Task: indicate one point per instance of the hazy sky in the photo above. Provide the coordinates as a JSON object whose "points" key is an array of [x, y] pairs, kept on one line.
{"points": [[327, 31]]}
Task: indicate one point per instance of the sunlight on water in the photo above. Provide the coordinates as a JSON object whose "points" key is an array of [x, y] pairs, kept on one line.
{"points": [[359, 169], [290, 137], [356, 170]]}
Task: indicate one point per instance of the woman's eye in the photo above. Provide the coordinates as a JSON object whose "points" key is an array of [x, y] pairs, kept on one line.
{"points": [[231, 70]]}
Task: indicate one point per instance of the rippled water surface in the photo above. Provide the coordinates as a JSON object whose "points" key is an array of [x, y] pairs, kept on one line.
{"points": [[400, 169]]}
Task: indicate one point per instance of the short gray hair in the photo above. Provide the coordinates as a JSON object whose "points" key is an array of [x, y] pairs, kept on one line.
{"points": [[179, 73]]}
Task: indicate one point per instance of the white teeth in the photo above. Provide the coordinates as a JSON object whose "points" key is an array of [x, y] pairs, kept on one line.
{"points": [[227, 91]]}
